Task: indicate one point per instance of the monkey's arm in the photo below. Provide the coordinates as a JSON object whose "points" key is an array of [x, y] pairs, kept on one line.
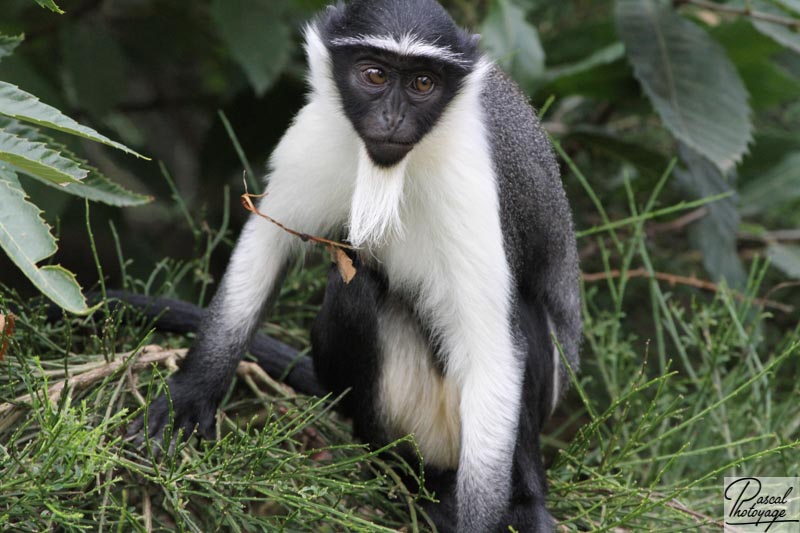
{"points": [[177, 316], [537, 220], [545, 264], [250, 282], [305, 192]]}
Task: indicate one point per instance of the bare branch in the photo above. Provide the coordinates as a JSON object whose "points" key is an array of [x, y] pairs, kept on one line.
{"points": [[338, 256], [674, 279], [247, 202], [142, 359], [742, 11]]}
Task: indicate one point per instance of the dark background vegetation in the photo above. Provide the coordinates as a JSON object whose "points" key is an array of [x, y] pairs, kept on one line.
{"points": [[154, 74], [701, 300]]}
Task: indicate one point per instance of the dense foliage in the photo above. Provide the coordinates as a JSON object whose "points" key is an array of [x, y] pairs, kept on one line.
{"points": [[678, 126]]}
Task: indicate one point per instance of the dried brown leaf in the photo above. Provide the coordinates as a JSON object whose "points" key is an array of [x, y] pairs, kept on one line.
{"points": [[343, 263], [6, 331]]}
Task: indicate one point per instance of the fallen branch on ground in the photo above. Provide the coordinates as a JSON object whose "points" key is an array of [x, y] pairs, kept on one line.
{"points": [[141, 359]]}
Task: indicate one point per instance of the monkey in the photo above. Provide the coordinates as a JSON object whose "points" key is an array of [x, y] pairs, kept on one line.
{"points": [[423, 155]]}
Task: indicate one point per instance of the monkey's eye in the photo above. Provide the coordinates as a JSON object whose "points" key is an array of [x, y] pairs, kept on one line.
{"points": [[423, 84], [375, 76]]}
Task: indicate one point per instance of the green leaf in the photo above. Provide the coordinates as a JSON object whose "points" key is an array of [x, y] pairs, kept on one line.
{"points": [[16, 103], [688, 78], [51, 5], [95, 186], [89, 48], [779, 185], [26, 238], [784, 35], [258, 37], [604, 56], [513, 43], [786, 258], [751, 51], [38, 159], [715, 234], [8, 43], [790, 5]]}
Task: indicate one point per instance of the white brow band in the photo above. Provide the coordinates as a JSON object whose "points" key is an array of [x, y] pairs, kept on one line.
{"points": [[408, 45]]}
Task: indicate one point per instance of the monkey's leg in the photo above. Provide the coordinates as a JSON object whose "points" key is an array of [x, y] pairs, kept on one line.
{"points": [[344, 341], [484, 361], [443, 512], [527, 510]]}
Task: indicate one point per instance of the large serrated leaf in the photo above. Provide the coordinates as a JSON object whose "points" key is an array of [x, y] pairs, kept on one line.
{"points": [[98, 188], [38, 159], [18, 104], [26, 238], [258, 37], [779, 185], [786, 258], [790, 5], [782, 34], [95, 186], [8, 43], [715, 234], [513, 43], [51, 5], [688, 78], [752, 52]]}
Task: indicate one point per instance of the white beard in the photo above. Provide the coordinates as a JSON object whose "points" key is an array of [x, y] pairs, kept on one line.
{"points": [[377, 201]]}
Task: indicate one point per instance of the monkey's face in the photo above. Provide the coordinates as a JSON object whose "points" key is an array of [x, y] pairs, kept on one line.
{"points": [[392, 101]]}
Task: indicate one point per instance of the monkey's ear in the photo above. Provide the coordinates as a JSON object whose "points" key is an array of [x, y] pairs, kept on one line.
{"points": [[475, 39], [332, 13]]}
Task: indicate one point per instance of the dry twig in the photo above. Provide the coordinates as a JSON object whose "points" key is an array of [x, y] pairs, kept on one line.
{"points": [[771, 237], [247, 202], [743, 11], [142, 359], [692, 281], [699, 517], [677, 224], [335, 248]]}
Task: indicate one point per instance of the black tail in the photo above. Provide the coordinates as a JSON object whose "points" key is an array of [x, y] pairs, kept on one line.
{"points": [[276, 358]]}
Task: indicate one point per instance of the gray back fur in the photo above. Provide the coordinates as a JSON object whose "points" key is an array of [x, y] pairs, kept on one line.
{"points": [[536, 217]]}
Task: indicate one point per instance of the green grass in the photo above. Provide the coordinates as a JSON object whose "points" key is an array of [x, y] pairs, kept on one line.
{"points": [[281, 461], [678, 389]]}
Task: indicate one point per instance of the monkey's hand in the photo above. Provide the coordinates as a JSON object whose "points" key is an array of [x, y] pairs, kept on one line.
{"points": [[187, 408]]}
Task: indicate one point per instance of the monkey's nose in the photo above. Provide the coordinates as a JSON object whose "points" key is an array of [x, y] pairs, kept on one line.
{"points": [[392, 120]]}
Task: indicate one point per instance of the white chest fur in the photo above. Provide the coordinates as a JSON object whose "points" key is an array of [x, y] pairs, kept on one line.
{"points": [[437, 237], [445, 254], [414, 397]]}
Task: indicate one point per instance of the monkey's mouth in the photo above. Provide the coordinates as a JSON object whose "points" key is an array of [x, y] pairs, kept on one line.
{"points": [[387, 153]]}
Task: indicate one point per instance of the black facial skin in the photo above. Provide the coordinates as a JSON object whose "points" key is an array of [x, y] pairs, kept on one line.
{"points": [[392, 101]]}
